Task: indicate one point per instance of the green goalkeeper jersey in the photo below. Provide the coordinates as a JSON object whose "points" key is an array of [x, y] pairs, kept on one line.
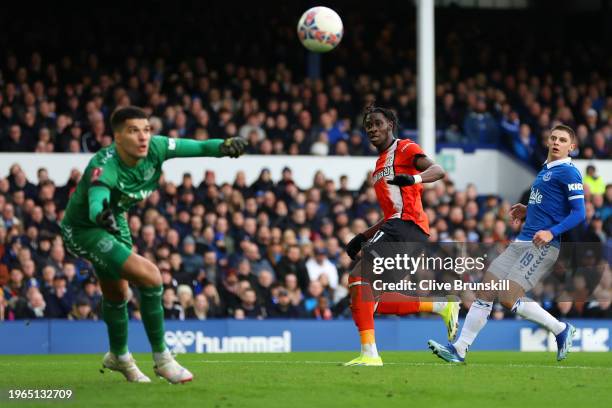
{"points": [[129, 185]]}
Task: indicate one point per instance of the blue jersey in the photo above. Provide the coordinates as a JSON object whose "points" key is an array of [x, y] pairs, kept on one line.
{"points": [[552, 197]]}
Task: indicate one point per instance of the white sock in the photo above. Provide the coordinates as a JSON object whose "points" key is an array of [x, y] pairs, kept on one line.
{"points": [[159, 356], [474, 322], [531, 310], [438, 306], [124, 358], [369, 349]]}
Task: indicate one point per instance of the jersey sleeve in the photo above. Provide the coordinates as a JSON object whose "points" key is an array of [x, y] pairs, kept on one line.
{"points": [[159, 147], [572, 185], [104, 174], [194, 148], [408, 151], [165, 148]]}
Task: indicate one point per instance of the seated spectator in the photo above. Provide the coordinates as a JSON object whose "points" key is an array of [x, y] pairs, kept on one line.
{"points": [[172, 308], [283, 307], [215, 306], [311, 299], [5, 312], [59, 301], [34, 308], [293, 264], [319, 264], [250, 306], [595, 183], [524, 144], [480, 126], [93, 293], [185, 296], [322, 310], [82, 310], [199, 309], [600, 307], [192, 262]]}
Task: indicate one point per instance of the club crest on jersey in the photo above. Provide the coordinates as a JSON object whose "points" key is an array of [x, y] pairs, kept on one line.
{"points": [[535, 197], [105, 245], [547, 176], [96, 173], [386, 171], [148, 173]]}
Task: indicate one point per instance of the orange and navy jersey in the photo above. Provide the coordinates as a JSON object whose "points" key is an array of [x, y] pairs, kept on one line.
{"points": [[395, 201]]}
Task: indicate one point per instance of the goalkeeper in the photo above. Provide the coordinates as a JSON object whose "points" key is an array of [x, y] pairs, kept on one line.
{"points": [[95, 227]]}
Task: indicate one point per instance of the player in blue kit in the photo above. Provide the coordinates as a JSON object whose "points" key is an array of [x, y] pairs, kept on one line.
{"points": [[556, 205]]}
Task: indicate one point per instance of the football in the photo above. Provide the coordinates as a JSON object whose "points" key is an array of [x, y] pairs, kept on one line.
{"points": [[320, 29]]}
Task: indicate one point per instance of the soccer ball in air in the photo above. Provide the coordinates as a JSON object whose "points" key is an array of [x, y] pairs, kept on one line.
{"points": [[320, 29]]}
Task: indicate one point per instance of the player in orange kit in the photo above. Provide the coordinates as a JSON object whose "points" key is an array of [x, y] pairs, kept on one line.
{"points": [[401, 169]]}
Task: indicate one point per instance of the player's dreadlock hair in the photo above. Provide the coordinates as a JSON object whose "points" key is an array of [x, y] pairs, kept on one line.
{"points": [[387, 113]]}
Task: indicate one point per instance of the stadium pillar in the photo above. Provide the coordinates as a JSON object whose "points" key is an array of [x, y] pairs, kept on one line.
{"points": [[314, 65], [426, 76]]}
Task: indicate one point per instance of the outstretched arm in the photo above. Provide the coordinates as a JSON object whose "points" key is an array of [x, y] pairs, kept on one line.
{"points": [[232, 147]]}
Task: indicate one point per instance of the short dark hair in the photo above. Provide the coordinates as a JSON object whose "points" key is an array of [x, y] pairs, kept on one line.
{"points": [[119, 116], [387, 113], [567, 130]]}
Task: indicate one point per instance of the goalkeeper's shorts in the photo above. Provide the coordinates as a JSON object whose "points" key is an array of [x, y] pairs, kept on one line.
{"points": [[107, 252]]}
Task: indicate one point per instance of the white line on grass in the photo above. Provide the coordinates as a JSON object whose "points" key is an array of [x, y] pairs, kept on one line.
{"points": [[320, 362], [411, 364]]}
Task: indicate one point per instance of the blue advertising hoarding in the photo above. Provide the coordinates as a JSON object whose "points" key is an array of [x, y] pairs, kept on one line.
{"points": [[214, 336]]}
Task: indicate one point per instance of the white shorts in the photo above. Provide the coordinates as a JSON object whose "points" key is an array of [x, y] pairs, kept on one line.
{"points": [[524, 263]]}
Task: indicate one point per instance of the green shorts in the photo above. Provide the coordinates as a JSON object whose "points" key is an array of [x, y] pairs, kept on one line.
{"points": [[105, 251]]}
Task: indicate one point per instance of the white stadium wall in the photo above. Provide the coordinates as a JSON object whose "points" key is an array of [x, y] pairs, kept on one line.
{"points": [[491, 171]]}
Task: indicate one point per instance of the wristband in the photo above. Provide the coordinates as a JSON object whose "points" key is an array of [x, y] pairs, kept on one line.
{"points": [[418, 179]]}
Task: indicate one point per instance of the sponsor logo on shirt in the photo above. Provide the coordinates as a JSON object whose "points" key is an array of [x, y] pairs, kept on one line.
{"points": [[109, 153], [139, 195], [386, 171], [171, 144], [535, 197], [575, 187]]}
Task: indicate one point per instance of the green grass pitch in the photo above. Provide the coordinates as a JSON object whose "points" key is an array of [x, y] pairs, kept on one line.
{"points": [[408, 379]]}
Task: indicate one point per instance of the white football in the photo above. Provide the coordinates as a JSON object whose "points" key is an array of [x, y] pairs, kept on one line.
{"points": [[320, 29]]}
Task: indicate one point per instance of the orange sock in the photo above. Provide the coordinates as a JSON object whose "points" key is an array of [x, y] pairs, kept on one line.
{"points": [[398, 304], [426, 307], [362, 306], [367, 337]]}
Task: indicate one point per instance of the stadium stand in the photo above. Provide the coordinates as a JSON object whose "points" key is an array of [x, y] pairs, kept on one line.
{"points": [[257, 251]]}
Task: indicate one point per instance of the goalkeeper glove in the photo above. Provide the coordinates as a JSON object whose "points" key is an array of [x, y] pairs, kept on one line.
{"points": [[354, 245], [106, 218], [233, 147]]}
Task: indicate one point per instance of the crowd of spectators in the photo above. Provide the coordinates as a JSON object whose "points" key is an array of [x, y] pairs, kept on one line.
{"points": [[270, 249], [265, 250], [62, 103]]}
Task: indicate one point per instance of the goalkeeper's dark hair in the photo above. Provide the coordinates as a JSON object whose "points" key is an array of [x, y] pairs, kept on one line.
{"points": [[387, 113], [119, 116]]}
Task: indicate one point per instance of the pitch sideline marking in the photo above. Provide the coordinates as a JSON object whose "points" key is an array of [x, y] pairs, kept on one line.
{"points": [[413, 364], [319, 362]]}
